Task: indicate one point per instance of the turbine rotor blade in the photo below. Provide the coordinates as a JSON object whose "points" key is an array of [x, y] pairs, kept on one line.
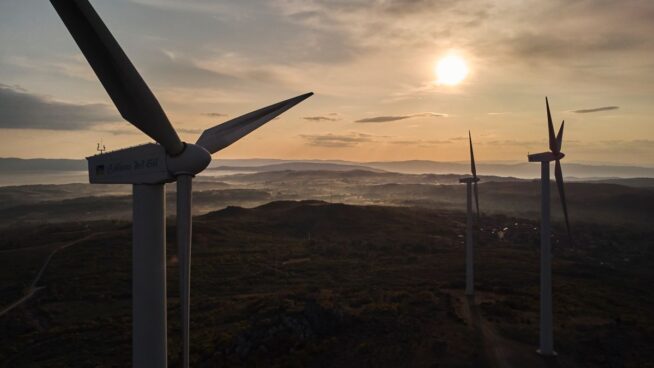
{"points": [[473, 168], [550, 128], [559, 137], [477, 203], [125, 87], [184, 236], [559, 183], [222, 135]]}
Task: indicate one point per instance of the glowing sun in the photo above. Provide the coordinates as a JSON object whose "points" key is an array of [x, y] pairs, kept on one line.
{"points": [[451, 70]]}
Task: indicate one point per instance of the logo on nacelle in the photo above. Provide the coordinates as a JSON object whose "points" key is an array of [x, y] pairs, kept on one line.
{"points": [[146, 164], [118, 168]]}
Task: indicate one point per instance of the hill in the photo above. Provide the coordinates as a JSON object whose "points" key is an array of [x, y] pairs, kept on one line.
{"points": [[41, 164], [520, 170], [20, 169], [297, 166], [588, 201], [308, 283]]}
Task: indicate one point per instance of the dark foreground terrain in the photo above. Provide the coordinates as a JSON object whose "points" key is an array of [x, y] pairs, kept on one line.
{"points": [[309, 283]]}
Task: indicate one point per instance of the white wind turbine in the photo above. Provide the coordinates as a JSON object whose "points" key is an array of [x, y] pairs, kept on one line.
{"points": [[471, 183], [546, 345], [148, 167]]}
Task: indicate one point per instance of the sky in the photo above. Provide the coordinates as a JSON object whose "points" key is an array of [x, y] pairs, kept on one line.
{"points": [[371, 65]]}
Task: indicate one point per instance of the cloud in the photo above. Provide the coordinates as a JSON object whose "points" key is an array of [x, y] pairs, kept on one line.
{"points": [[609, 54], [372, 25], [352, 139], [536, 46], [381, 119], [182, 71], [616, 150], [202, 7], [329, 117], [596, 109], [73, 66], [514, 142], [385, 119], [216, 114], [496, 36], [338, 140], [421, 142], [20, 109]]}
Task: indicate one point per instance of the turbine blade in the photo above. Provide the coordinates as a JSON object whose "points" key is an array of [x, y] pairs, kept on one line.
{"points": [[473, 168], [125, 87], [559, 136], [221, 136], [184, 236], [559, 183], [550, 128], [477, 204]]}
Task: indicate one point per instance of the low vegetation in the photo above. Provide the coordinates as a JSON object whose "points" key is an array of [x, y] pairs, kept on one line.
{"points": [[317, 284]]}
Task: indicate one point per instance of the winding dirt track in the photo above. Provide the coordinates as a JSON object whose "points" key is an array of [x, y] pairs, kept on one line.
{"points": [[500, 352], [33, 289]]}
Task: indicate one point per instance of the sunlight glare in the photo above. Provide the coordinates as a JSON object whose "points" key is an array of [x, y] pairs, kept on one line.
{"points": [[451, 70]]}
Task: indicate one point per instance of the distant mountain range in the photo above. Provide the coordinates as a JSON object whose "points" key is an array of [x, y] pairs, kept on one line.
{"points": [[298, 166], [40, 164], [518, 170]]}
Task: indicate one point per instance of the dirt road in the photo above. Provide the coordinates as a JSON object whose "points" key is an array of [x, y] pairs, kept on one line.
{"points": [[499, 351], [33, 288]]}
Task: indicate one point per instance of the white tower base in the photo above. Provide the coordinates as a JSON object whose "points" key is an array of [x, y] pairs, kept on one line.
{"points": [[149, 277], [470, 251], [184, 224], [546, 346]]}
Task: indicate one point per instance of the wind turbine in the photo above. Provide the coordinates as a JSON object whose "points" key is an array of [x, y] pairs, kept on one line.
{"points": [[471, 183], [546, 345], [148, 168]]}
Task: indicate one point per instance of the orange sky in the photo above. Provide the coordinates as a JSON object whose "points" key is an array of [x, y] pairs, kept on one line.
{"points": [[210, 61]]}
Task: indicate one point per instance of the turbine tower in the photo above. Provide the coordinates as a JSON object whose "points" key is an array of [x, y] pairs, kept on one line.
{"points": [[148, 168], [471, 183], [546, 344]]}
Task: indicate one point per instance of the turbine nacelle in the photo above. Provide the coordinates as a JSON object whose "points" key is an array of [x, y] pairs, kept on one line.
{"points": [[545, 156], [469, 179], [146, 164]]}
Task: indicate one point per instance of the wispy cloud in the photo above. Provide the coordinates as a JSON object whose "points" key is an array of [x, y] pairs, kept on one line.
{"points": [[388, 118], [513, 142], [20, 109], [338, 140], [352, 139], [421, 142], [216, 114], [184, 71], [73, 66], [596, 109], [328, 117]]}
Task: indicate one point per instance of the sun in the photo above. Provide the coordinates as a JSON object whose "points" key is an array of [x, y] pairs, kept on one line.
{"points": [[451, 70]]}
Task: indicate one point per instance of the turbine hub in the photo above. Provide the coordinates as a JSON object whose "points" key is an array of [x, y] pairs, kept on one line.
{"points": [[193, 160]]}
